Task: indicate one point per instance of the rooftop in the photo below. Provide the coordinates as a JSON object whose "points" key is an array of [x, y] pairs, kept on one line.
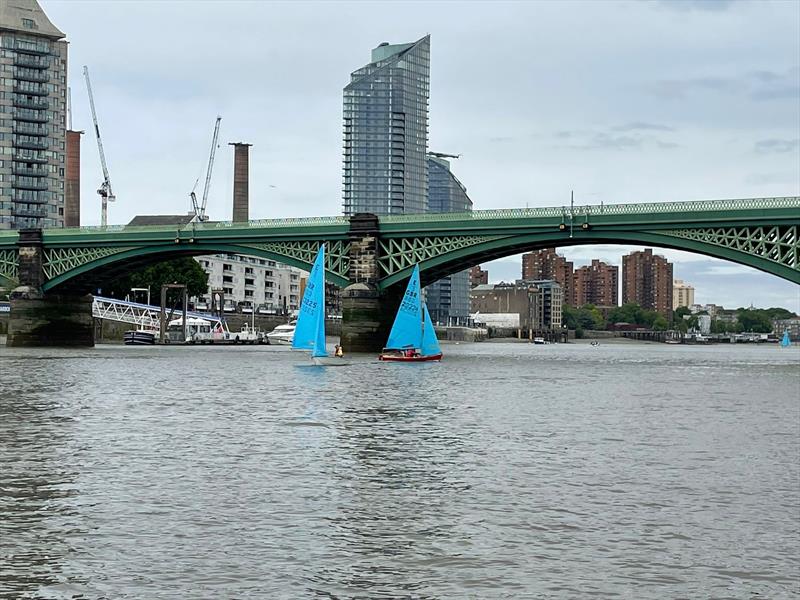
{"points": [[26, 16]]}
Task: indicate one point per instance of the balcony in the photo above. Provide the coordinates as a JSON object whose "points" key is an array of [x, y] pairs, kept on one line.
{"points": [[30, 116], [18, 169], [31, 143], [40, 48], [31, 61], [31, 213], [39, 76], [30, 129], [29, 183], [29, 196], [30, 89], [34, 103], [28, 157]]}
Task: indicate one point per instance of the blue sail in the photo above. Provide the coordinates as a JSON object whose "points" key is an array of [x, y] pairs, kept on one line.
{"points": [[309, 333], [407, 329], [430, 345], [785, 342]]}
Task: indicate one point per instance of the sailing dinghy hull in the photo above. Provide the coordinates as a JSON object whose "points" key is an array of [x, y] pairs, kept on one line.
{"points": [[395, 358]]}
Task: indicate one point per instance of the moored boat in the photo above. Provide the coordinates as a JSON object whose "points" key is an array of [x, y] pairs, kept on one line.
{"points": [[282, 335], [139, 337]]}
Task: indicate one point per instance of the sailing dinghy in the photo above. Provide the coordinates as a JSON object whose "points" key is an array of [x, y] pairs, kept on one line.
{"points": [[309, 332], [412, 338]]}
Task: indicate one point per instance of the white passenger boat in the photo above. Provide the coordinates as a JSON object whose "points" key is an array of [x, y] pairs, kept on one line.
{"points": [[282, 335]]}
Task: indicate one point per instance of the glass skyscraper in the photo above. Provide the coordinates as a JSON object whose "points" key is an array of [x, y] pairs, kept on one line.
{"points": [[386, 131], [448, 298], [33, 88]]}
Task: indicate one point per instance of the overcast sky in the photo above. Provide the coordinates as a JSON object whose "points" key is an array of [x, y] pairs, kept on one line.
{"points": [[620, 101]]}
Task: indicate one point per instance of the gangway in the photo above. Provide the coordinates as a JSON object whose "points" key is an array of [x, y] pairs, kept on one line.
{"points": [[144, 316]]}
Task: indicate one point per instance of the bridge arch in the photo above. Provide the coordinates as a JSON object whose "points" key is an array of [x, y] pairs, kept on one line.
{"points": [[70, 271], [434, 266]]}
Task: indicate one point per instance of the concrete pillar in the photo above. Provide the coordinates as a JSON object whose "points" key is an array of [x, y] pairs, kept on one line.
{"points": [[72, 196], [241, 179], [39, 319], [367, 313]]}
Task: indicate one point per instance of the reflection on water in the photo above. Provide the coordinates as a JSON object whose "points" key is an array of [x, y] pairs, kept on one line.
{"points": [[505, 471]]}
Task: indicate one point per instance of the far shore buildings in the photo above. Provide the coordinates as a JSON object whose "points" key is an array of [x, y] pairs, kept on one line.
{"points": [[448, 298], [546, 264], [682, 294], [597, 284], [647, 281], [33, 90], [477, 276], [538, 303]]}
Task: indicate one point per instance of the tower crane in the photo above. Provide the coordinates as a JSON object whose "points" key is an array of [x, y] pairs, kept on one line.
{"points": [[106, 195], [200, 211]]}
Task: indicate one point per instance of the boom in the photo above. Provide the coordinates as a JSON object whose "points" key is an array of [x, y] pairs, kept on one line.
{"points": [[202, 215], [105, 188]]}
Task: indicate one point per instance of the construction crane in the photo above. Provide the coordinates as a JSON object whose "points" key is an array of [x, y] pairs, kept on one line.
{"points": [[106, 195], [443, 155], [200, 211]]}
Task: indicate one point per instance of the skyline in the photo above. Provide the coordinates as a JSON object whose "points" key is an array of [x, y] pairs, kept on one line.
{"points": [[623, 102]]}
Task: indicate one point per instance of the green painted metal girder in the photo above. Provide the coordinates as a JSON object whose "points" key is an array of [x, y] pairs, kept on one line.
{"points": [[64, 264], [435, 264], [759, 232]]}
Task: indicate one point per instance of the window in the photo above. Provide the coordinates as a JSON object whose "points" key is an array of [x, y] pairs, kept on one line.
{"points": [[29, 23]]}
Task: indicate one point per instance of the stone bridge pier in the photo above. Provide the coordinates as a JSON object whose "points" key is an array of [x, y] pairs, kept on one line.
{"points": [[367, 312], [39, 319]]}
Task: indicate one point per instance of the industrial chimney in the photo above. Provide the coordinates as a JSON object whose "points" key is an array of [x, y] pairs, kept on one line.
{"points": [[241, 180], [72, 197]]}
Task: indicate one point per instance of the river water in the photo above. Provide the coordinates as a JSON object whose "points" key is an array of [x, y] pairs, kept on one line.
{"points": [[507, 471]]}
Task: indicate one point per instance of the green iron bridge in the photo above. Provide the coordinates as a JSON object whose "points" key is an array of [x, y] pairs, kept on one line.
{"points": [[760, 232], [763, 233]]}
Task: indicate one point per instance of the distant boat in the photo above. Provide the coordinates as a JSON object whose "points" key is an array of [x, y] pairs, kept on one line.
{"points": [[412, 338], [139, 337], [785, 342], [309, 332], [282, 334]]}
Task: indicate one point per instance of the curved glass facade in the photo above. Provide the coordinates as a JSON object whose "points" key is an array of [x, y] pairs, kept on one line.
{"points": [[448, 298]]}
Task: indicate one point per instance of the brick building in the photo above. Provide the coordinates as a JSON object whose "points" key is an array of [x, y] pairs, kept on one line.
{"points": [[545, 264], [647, 281], [596, 284], [478, 276]]}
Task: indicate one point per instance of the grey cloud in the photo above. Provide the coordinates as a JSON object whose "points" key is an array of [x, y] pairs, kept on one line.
{"points": [[698, 5], [761, 179], [680, 88], [624, 137], [776, 146], [759, 85], [642, 126]]}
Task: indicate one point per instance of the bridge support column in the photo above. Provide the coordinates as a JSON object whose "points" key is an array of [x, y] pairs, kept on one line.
{"points": [[367, 313], [39, 319]]}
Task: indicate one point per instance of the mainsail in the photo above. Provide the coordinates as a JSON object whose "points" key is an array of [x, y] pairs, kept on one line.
{"points": [[407, 329], [309, 333]]}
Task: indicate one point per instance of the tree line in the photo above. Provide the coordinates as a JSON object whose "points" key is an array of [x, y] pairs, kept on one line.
{"points": [[756, 320]]}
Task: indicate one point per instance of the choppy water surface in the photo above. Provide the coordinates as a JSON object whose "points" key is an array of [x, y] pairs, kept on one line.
{"points": [[514, 471]]}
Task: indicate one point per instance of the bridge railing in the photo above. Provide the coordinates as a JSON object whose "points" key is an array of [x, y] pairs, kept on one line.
{"points": [[604, 209], [206, 226]]}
